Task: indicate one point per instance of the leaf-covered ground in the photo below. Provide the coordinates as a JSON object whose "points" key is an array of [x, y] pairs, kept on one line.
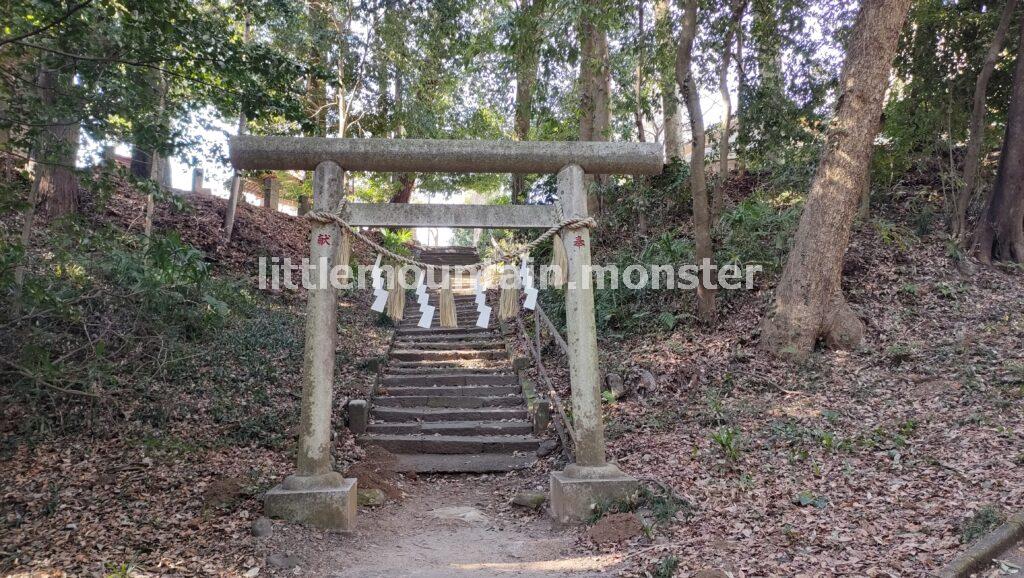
{"points": [[868, 462]]}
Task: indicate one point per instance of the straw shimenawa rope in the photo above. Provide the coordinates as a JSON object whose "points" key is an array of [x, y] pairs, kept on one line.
{"points": [[325, 217]]}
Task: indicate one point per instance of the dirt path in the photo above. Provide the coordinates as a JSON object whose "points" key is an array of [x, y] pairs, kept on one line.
{"points": [[447, 526]]}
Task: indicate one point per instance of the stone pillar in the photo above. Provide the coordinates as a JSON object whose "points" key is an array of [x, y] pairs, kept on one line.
{"points": [[591, 479], [272, 193], [303, 205], [109, 157], [197, 181], [316, 494]]}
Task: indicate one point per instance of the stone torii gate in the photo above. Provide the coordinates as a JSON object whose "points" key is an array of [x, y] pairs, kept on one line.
{"points": [[316, 494]]}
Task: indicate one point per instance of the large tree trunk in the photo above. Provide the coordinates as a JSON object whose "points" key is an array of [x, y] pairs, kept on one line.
{"points": [[595, 81], [57, 149], [1000, 232], [527, 60], [977, 122], [698, 183], [666, 66], [809, 302]]}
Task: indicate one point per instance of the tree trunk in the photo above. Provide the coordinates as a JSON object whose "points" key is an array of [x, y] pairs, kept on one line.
{"points": [[57, 149], [406, 184], [741, 87], [595, 79], [718, 204], [977, 122], [527, 60], [666, 65], [1000, 232], [809, 302], [698, 183], [638, 85], [236, 179]]}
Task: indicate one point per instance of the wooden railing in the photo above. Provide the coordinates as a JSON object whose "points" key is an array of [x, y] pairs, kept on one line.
{"points": [[562, 423]]}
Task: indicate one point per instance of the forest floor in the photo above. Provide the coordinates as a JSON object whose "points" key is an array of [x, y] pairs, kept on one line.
{"points": [[887, 460]]}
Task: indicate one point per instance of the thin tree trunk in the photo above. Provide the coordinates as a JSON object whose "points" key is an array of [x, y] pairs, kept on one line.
{"points": [[57, 150], [667, 78], [718, 203], [809, 302], [698, 183], [595, 79], [236, 178], [638, 86], [977, 122], [741, 87], [1000, 232], [527, 60]]}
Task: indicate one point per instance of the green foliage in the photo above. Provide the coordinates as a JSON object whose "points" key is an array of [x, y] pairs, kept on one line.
{"points": [[666, 567], [729, 442], [808, 498], [660, 502], [986, 519], [759, 230]]}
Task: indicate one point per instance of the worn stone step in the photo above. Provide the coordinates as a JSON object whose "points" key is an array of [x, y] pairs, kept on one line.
{"points": [[446, 354], [452, 340], [473, 390], [433, 414], [453, 401], [397, 368], [464, 331], [463, 463], [450, 366], [444, 444], [460, 378], [453, 428], [465, 345]]}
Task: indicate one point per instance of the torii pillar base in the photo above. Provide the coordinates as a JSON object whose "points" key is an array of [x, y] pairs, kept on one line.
{"points": [[577, 490], [326, 501]]}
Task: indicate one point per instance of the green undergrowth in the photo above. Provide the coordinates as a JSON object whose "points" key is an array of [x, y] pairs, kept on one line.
{"points": [[658, 504], [114, 334]]}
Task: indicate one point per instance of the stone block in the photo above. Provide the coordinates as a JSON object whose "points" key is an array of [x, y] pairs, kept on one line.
{"points": [[577, 490], [371, 497], [330, 506], [358, 416]]}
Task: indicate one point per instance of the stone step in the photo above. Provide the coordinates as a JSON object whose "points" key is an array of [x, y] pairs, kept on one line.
{"points": [[452, 401], [442, 444], [453, 428], [467, 331], [397, 368], [467, 345], [449, 379], [452, 338], [446, 354], [452, 365], [472, 390], [433, 414], [463, 463]]}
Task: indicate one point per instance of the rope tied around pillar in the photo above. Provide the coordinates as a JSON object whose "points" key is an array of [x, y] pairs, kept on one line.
{"points": [[327, 217]]}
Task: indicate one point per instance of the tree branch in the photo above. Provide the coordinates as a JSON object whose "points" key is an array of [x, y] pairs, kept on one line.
{"points": [[42, 29]]}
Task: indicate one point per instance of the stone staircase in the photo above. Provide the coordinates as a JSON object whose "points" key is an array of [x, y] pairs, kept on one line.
{"points": [[449, 400]]}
